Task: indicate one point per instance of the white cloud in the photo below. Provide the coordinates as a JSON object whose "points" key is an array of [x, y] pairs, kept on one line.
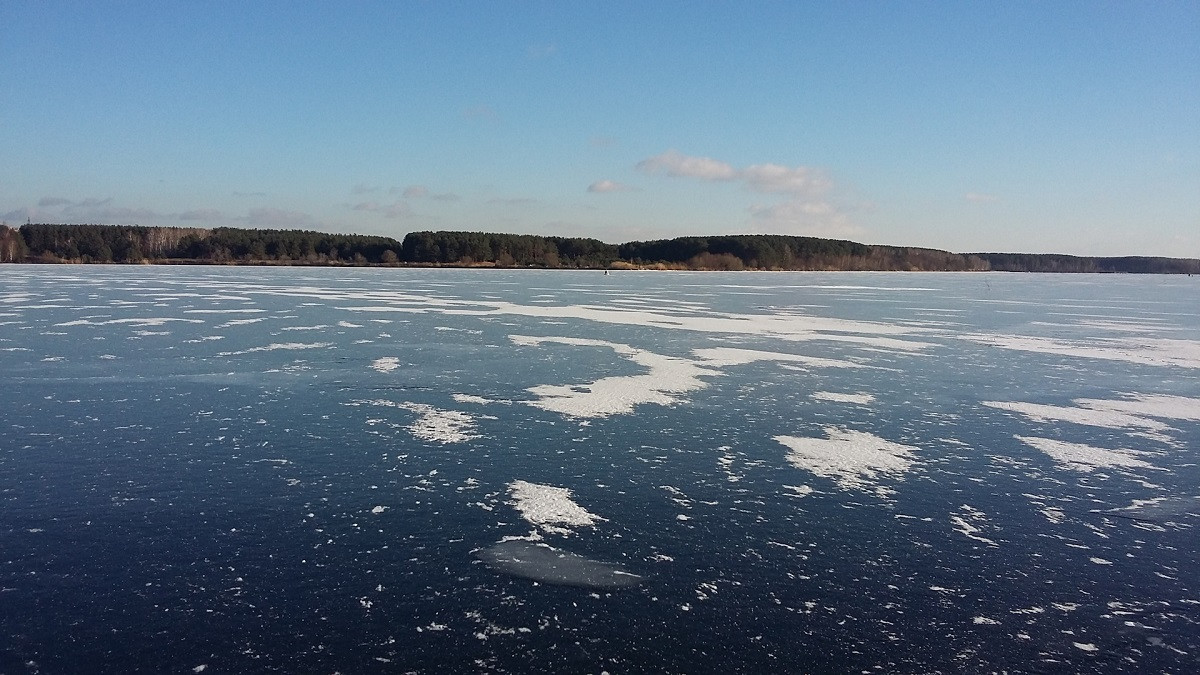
{"points": [[786, 179], [90, 202], [481, 113], [397, 209], [422, 192], [202, 214], [610, 186], [800, 180], [804, 218], [679, 165], [541, 51], [513, 201], [980, 197], [807, 211], [88, 210]]}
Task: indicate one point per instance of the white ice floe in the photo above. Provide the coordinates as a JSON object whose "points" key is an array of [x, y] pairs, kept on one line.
{"points": [[724, 357], [667, 378], [664, 383], [798, 490], [1146, 351], [385, 364], [478, 400], [1148, 405], [1086, 646], [378, 510], [549, 508], [1095, 417], [859, 399], [852, 459], [970, 522], [433, 424], [440, 426], [1085, 458], [984, 621], [289, 346], [240, 322], [138, 322], [786, 326]]}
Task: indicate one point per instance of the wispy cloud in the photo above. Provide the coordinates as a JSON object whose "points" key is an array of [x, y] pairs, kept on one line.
{"points": [[422, 192], [776, 178], [980, 198], [808, 209], [797, 180], [202, 214], [808, 218], [53, 201], [24, 213], [365, 189], [397, 209], [481, 113], [90, 203], [513, 201], [611, 186], [541, 51], [679, 165]]}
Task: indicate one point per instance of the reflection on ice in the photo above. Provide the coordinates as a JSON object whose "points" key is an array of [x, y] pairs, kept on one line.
{"points": [[554, 566]]}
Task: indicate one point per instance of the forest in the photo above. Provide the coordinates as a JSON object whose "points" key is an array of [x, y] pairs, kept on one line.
{"points": [[50, 243]]}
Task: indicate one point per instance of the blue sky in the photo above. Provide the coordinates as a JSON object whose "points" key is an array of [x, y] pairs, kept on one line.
{"points": [[1011, 126]]}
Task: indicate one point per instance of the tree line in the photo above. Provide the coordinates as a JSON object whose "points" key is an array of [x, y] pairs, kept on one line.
{"points": [[129, 244], [225, 245]]}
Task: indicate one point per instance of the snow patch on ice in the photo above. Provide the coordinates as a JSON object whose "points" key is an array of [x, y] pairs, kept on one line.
{"points": [[859, 399], [1085, 458], [1145, 351], [385, 364], [970, 522], [666, 380], [550, 508], [853, 459], [278, 346]]}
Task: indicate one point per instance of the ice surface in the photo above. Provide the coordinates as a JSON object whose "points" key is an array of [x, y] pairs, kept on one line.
{"points": [[544, 563]]}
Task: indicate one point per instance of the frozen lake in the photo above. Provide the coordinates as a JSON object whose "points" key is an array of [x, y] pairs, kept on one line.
{"points": [[212, 469]]}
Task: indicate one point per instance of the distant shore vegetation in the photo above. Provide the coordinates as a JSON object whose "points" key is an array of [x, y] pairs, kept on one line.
{"points": [[50, 243]]}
